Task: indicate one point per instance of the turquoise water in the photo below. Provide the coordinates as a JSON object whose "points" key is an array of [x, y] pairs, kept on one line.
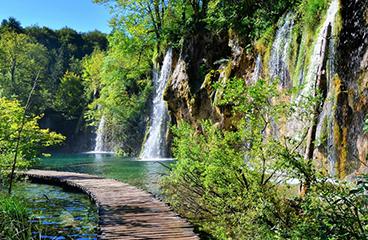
{"points": [[142, 174], [72, 215], [64, 214]]}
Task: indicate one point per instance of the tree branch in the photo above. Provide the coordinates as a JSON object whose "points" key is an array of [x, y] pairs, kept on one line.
{"points": [[20, 132]]}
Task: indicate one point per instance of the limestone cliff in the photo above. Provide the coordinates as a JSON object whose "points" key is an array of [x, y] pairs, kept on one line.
{"points": [[336, 61]]}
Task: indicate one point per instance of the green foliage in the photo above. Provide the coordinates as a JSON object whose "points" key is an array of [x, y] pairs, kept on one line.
{"points": [[11, 25], [225, 176], [21, 58], [312, 11], [21, 140], [168, 21], [234, 182], [122, 88], [334, 210], [25, 52], [32, 138], [14, 219], [250, 18], [92, 67], [70, 98]]}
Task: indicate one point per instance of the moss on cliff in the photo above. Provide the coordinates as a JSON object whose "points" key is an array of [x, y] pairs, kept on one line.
{"points": [[340, 130]]}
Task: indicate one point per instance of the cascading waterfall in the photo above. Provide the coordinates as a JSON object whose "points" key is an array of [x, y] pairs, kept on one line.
{"points": [[318, 75], [99, 147], [257, 72], [155, 145], [325, 34], [320, 68], [318, 58], [278, 63]]}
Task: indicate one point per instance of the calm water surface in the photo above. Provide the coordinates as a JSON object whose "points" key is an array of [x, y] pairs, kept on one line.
{"points": [[142, 174], [72, 215], [64, 214]]}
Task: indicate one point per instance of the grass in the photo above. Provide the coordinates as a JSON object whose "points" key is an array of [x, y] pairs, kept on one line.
{"points": [[14, 219]]}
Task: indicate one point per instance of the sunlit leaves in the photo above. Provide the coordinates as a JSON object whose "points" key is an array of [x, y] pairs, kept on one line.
{"points": [[70, 98], [120, 85], [32, 137], [20, 61], [92, 67]]}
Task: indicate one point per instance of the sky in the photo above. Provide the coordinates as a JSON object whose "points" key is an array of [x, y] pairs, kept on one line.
{"points": [[80, 15]]}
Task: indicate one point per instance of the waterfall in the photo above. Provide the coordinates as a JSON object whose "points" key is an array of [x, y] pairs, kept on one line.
{"points": [[155, 145], [257, 72], [99, 147], [318, 75], [317, 58], [278, 63]]}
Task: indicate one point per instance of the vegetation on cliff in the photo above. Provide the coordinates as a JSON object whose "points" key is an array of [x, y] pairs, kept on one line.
{"points": [[230, 177], [237, 184]]}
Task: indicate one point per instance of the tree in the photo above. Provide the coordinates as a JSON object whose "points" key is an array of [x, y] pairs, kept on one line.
{"points": [[21, 58], [94, 40], [11, 25], [92, 68], [138, 18], [16, 126], [123, 89], [70, 99]]}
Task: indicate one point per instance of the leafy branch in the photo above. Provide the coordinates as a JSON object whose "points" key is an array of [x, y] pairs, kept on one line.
{"points": [[20, 132]]}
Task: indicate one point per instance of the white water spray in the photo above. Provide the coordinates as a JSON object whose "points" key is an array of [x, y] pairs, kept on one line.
{"points": [[257, 72], [155, 145], [99, 147], [278, 63], [316, 59]]}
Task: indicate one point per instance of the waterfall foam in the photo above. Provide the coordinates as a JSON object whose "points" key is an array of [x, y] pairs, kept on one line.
{"points": [[155, 146], [99, 147], [257, 72], [316, 59], [278, 63]]}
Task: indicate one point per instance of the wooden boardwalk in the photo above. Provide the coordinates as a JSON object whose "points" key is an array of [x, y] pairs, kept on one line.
{"points": [[125, 212]]}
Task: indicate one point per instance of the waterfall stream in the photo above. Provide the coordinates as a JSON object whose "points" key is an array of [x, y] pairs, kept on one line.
{"points": [[317, 58], [313, 73], [99, 136], [155, 145], [257, 72], [278, 63]]}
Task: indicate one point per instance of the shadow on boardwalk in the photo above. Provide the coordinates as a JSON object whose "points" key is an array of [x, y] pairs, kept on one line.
{"points": [[125, 212]]}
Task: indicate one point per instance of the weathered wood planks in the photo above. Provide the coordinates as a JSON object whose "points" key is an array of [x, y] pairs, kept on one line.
{"points": [[125, 212]]}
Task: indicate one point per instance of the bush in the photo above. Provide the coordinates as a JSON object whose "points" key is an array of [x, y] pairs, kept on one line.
{"points": [[234, 183]]}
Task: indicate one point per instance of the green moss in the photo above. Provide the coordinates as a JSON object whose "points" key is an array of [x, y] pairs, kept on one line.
{"points": [[226, 72], [267, 38], [338, 25], [210, 78], [322, 139], [312, 13]]}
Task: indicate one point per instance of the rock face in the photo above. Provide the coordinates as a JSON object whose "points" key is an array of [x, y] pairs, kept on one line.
{"points": [[352, 105], [190, 94], [337, 60]]}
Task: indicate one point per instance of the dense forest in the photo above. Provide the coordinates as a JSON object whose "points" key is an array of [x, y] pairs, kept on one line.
{"points": [[58, 58], [261, 94]]}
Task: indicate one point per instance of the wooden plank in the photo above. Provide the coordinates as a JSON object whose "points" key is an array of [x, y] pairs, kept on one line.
{"points": [[125, 212]]}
